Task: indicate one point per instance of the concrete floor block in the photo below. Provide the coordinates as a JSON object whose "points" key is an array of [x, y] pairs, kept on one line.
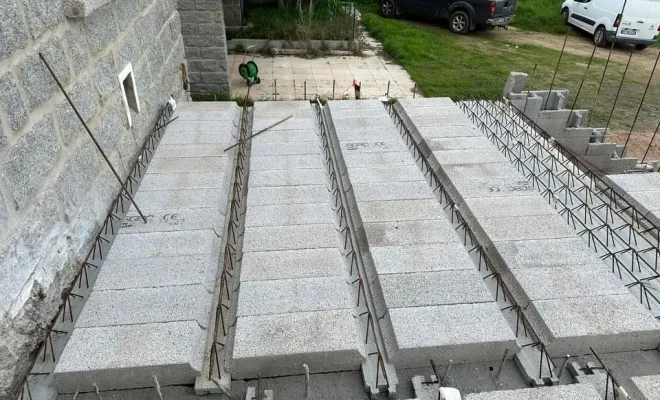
{"points": [[183, 181], [609, 324], [646, 387], [565, 282], [273, 149], [292, 161], [394, 158], [293, 124], [429, 132], [356, 106], [409, 232], [293, 237], [526, 228], [492, 170], [459, 143], [123, 357], [220, 136], [194, 164], [191, 150], [157, 272], [497, 187], [288, 177], [383, 191], [218, 127], [400, 210], [547, 253], [264, 195], [442, 119], [182, 199], [420, 258], [478, 156], [289, 214], [214, 106], [636, 182], [563, 392], [174, 220], [163, 244], [291, 264], [372, 146], [288, 136], [421, 102], [377, 118], [433, 289], [650, 200], [293, 295], [403, 173], [461, 333], [146, 305], [512, 206], [276, 345]]}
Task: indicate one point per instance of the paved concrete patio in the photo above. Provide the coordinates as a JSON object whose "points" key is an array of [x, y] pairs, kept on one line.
{"points": [[284, 77]]}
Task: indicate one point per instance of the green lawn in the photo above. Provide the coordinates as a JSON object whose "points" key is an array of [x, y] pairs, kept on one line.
{"points": [[478, 65], [540, 16]]}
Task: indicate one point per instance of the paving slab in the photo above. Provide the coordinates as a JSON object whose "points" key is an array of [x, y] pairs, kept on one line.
{"points": [[383, 191], [293, 295], [289, 214], [163, 244], [420, 258], [278, 344], [292, 161], [182, 199], [562, 392], [509, 206], [609, 323], [292, 237], [547, 253], [174, 220], [288, 177], [433, 288], [409, 232], [181, 181], [146, 305], [461, 333], [187, 164], [156, 272], [289, 264], [129, 356], [529, 228], [400, 210], [545, 283], [264, 195], [647, 387]]}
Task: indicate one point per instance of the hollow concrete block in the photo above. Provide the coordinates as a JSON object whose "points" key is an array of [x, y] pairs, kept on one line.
{"points": [[562, 392]]}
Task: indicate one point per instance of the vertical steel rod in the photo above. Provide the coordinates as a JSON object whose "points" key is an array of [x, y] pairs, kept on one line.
{"points": [[552, 84], [499, 369], [388, 89], [641, 103], [616, 98], [333, 89], [446, 373], [529, 90], [275, 92], [414, 89], [580, 88], [98, 146], [607, 63], [563, 366], [651, 142], [305, 90]]}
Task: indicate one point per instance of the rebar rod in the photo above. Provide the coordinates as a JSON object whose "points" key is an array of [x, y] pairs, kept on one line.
{"points": [[651, 142], [568, 31], [577, 96], [529, 89], [618, 92]]}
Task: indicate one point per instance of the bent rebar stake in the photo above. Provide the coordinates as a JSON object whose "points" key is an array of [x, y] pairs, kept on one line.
{"points": [[240, 142], [98, 146]]}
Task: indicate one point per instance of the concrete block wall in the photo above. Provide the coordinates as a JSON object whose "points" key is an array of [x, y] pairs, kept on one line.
{"points": [[55, 188], [203, 29]]}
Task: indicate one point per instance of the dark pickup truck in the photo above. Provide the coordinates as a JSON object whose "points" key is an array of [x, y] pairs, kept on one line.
{"points": [[463, 15]]}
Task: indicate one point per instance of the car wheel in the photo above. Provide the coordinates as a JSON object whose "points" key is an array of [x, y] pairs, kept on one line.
{"points": [[564, 14], [459, 22], [387, 8], [600, 36], [640, 46]]}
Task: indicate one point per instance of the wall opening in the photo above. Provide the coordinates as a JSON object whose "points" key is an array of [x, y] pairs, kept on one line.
{"points": [[129, 92]]}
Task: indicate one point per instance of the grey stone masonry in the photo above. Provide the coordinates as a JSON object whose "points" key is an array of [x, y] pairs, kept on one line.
{"points": [[55, 189], [233, 10], [203, 27], [159, 276], [434, 301], [568, 294], [294, 304]]}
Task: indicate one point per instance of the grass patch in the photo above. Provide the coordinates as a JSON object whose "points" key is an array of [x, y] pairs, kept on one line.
{"points": [[478, 65], [540, 16], [329, 22]]}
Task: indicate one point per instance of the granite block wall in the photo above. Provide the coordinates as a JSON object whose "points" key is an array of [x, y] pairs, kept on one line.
{"points": [[55, 188]]}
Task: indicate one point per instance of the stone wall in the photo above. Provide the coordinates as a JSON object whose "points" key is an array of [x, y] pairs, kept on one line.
{"points": [[55, 188], [233, 10], [203, 29]]}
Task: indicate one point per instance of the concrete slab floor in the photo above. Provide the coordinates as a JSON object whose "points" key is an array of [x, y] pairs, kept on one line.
{"points": [[284, 77]]}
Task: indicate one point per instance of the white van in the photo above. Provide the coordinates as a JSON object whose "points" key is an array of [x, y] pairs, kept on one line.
{"points": [[639, 24]]}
